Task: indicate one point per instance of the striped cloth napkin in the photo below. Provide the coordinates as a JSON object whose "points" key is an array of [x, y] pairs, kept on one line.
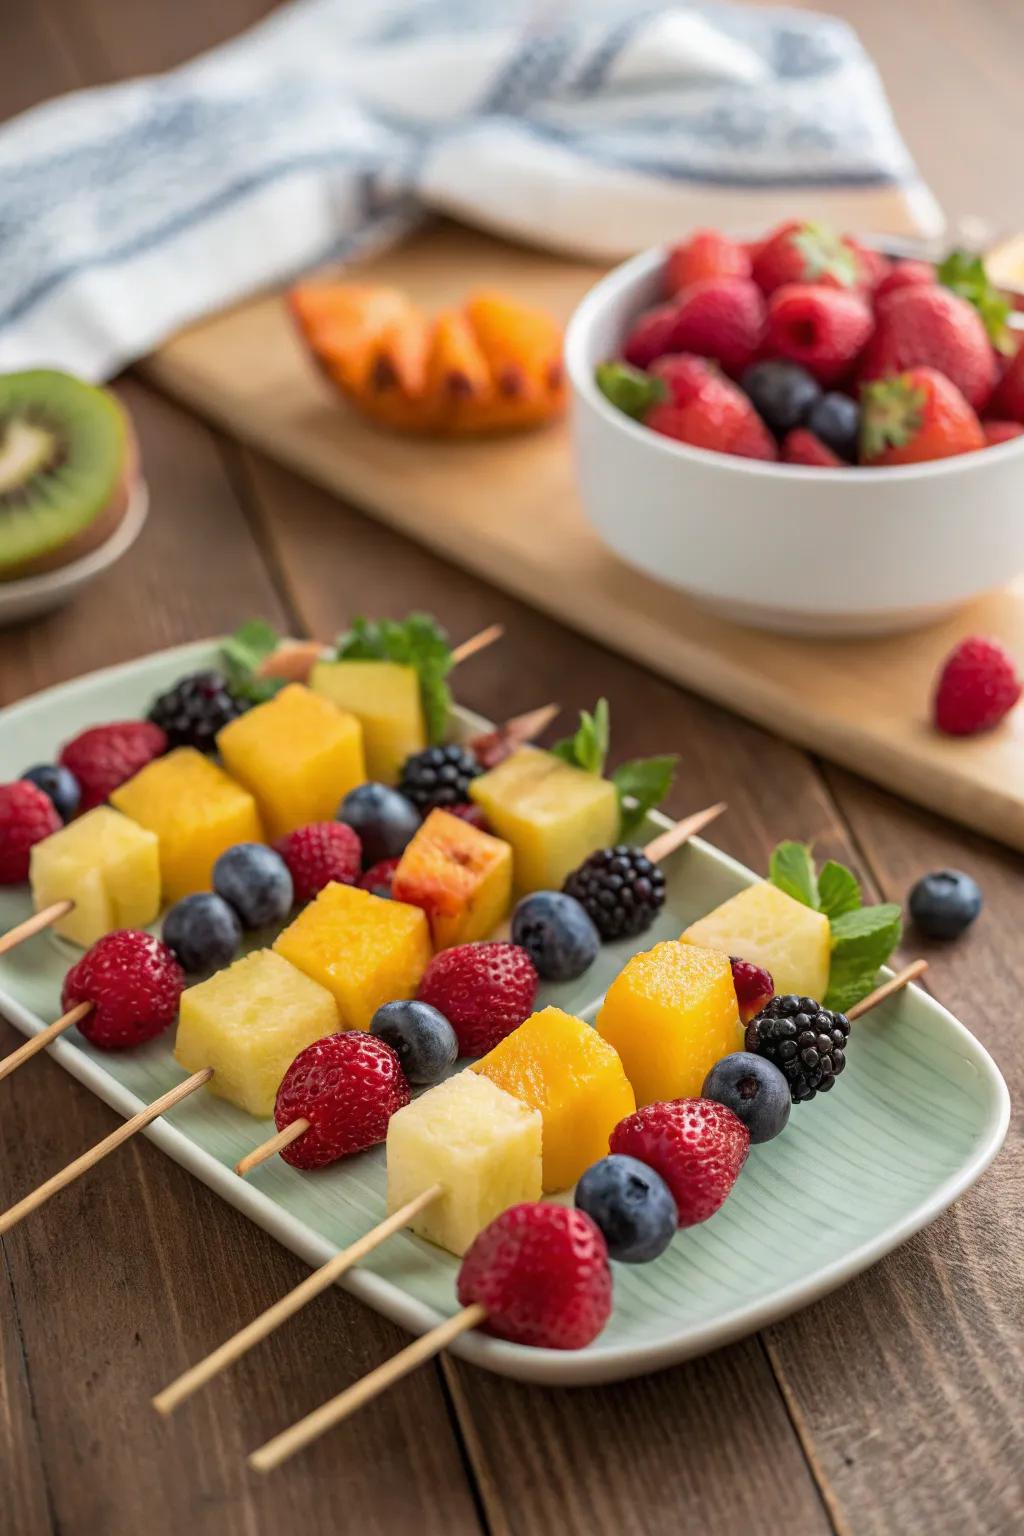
{"points": [[596, 127]]}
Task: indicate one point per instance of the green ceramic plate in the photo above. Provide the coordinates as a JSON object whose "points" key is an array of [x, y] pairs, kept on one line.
{"points": [[920, 1112]]}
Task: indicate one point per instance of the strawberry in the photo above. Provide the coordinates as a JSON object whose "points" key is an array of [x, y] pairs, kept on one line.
{"points": [[1001, 431], [134, 983], [652, 335], [721, 317], [977, 686], [720, 418], [542, 1273], [802, 447], [1008, 400], [26, 817], [874, 267], [754, 987], [803, 252], [905, 274], [319, 853], [379, 876], [918, 416], [347, 1086], [484, 990], [707, 253], [685, 375], [823, 329], [929, 327], [696, 1145], [107, 755]]}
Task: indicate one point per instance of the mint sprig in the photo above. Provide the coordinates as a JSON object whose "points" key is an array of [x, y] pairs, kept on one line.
{"points": [[418, 642], [241, 656], [587, 748], [641, 784], [964, 274]]}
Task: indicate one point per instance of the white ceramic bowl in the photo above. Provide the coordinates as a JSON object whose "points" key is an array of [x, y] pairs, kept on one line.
{"points": [[788, 548]]}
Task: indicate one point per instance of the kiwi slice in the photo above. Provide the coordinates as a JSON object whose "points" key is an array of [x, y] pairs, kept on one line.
{"points": [[67, 468]]}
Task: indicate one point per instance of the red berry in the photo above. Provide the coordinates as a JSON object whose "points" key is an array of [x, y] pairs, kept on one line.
{"points": [[134, 983], [707, 253], [977, 686], [1001, 431], [905, 274], [467, 811], [26, 817], [720, 418], [696, 1145], [107, 755], [685, 374], [651, 335], [917, 416], [823, 329], [927, 326], [723, 318], [1008, 400], [802, 252], [754, 987], [542, 1273], [802, 447], [874, 267], [320, 853], [484, 990], [347, 1086], [379, 876]]}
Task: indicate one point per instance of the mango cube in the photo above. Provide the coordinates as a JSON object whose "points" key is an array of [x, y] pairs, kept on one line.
{"points": [[196, 812], [671, 1013], [249, 1023], [385, 698], [460, 876], [481, 1144], [772, 929], [554, 815], [108, 866], [298, 755], [563, 1068], [363, 949]]}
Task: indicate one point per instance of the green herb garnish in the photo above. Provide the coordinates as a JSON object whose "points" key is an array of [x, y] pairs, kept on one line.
{"points": [[965, 274], [640, 784], [418, 642], [242, 655]]}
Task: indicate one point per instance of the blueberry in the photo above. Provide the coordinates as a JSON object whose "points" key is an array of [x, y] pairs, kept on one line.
{"points": [[632, 1205], [420, 1036], [204, 933], [782, 394], [944, 904], [754, 1089], [557, 933], [59, 784], [256, 882], [384, 819], [835, 419]]}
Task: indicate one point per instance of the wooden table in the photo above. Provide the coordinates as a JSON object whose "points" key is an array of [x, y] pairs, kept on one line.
{"points": [[891, 1407]]}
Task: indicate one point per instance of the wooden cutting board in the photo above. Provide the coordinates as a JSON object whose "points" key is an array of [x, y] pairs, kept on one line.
{"points": [[507, 509]]}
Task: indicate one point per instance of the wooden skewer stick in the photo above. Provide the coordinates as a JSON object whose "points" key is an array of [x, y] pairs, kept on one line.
{"points": [[674, 837], [894, 984], [475, 643], [35, 924], [273, 1144], [338, 1408], [39, 1042], [102, 1149], [234, 1348]]}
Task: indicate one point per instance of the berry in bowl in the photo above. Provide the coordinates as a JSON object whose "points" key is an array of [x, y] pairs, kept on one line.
{"points": [[801, 433]]}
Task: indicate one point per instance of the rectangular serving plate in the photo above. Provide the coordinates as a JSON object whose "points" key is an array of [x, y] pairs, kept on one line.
{"points": [[919, 1113]]}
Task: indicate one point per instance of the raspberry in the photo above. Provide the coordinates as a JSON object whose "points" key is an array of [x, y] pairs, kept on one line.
{"points": [[823, 329], [720, 418], [484, 990], [379, 876], [1001, 431], [347, 1086], [107, 755], [26, 817], [696, 1145], [802, 447], [808, 253], [977, 686], [319, 853], [905, 274], [707, 253], [652, 335], [1008, 400], [134, 983], [542, 1273], [754, 986], [467, 811], [685, 374], [723, 318]]}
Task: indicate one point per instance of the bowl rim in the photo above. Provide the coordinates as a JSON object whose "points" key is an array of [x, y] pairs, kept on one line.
{"points": [[45, 583], [630, 273]]}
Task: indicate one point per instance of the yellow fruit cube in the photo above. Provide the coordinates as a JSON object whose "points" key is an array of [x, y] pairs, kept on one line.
{"points": [[563, 1068], [460, 876], [298, 755], [772, 929], [108, 866], [385, 698], [671, 1013], [195, 810], [363, 949], [249, 1023], [480, 1143], [554, 815]]}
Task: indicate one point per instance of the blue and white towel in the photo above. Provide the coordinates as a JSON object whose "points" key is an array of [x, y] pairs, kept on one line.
{"points": [[595, 127]]}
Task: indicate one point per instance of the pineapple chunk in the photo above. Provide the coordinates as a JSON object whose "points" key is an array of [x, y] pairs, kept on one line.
{"points": [[553, 814], [195, 810], [480, 1143], [772, 929], [671, 1013], [461, 877], [298, 754], [385, 698], [249, 1023], [108, 866], [363, 949], [563, 1068]]}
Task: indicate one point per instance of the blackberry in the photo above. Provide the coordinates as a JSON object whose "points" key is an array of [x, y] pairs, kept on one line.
{"points": [[621, 890], [195, 709], [805, 1041], [440, 776]]}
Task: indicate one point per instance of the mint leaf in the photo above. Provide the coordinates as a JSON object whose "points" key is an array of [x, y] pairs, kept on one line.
{"points": [[418, 642], [241, 655], [862, 941], [838, 890], [964, 274], [791, 868], [644, 782], [630, 389], [589, 747]]}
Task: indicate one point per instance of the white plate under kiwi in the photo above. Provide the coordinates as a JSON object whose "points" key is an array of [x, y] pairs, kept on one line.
{"points": [[919, 1113]]}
